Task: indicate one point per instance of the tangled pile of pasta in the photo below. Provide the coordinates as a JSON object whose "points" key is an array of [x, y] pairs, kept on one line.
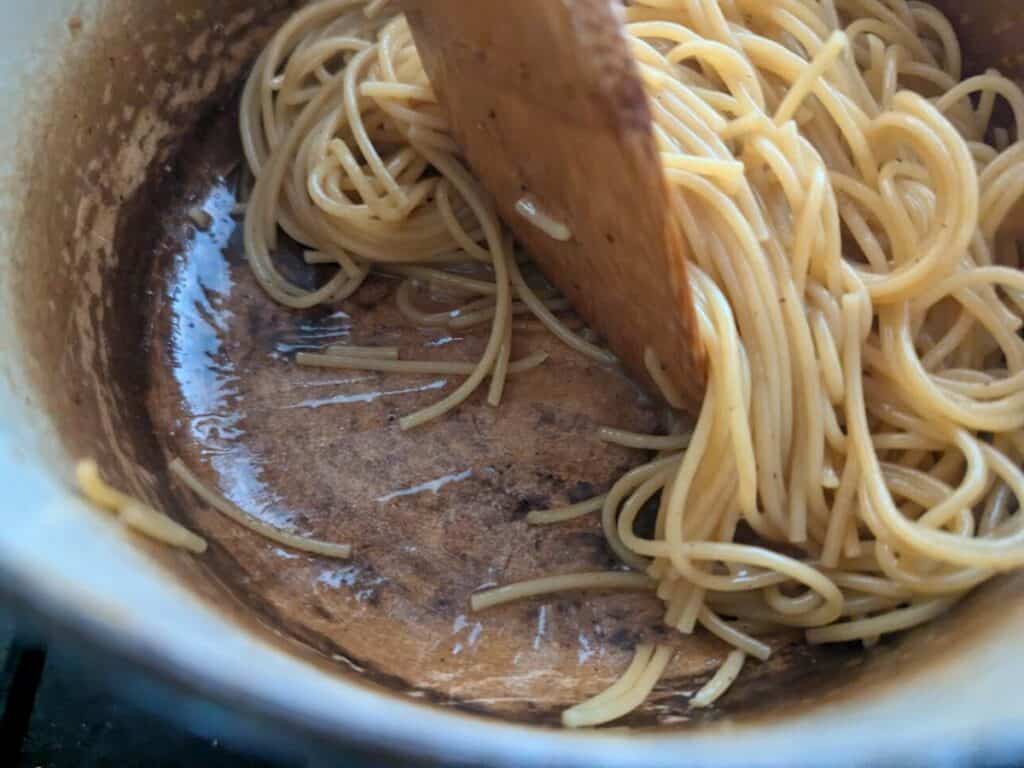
{"points": [[858, 291]]}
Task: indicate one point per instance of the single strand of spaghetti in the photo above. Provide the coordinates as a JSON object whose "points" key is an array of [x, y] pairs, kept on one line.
{"points": [[87, 475], [563, 514], [714, 624], [374, 353], [429, 367], [222, 505], [501, 366], [599, 580], [643, 442], [159, 527]]}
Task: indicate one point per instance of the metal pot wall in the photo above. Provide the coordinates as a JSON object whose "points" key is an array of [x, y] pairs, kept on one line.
{"points": [[105, 103]]}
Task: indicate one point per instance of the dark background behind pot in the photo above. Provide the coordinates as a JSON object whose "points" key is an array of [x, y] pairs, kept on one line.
{"points": [[83, 712]]}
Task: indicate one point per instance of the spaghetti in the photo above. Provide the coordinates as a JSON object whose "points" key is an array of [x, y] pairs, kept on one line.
{"points": [[144, 519], [856, 277], [229, 510], [133, 513]]}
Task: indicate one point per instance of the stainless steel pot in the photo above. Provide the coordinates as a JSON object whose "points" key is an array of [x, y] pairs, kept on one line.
{"points": [[101, 100]]}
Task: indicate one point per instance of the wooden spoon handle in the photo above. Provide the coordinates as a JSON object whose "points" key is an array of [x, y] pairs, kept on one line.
{"points": [[545, 100]]}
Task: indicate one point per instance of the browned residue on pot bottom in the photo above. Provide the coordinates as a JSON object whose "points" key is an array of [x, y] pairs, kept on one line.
{"points": [[433, 514]]}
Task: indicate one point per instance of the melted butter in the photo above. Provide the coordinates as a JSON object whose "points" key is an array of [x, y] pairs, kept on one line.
{"points": [[313, 337], [367, 397], [466, 632], [206, 378], [444, 341], [361, 584], [431, 486]]}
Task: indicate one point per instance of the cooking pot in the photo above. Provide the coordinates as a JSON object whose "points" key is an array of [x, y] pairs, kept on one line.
{"points": [[133, 333]]}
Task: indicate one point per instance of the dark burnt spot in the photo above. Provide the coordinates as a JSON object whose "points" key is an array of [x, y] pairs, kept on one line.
{"points": [[258, 324], [547, 476], [581, 492], [546, 415], [591, 542], [567, 607], [648, 518], [527, 504], [622, 638], [522, 509], [234, 253]]}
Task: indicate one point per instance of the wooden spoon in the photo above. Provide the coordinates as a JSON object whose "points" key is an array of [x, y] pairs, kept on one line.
{"points": [[545, 100]]}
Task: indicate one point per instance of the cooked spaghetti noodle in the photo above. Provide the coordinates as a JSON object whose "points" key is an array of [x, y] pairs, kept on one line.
{"points": [[133, 513], [857, 286], [229, 510]]}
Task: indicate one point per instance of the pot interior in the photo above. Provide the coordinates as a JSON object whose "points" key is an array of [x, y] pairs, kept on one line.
{"points": [[142, 336]]}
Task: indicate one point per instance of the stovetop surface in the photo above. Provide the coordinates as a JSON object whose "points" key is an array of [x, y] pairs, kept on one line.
{"points": [[62, 706], [66, 716]]}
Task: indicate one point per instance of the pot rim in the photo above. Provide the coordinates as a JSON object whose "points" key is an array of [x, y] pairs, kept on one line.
{"points": [[165, 631]]}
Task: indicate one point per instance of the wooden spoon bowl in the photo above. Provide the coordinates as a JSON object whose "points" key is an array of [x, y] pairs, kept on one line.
{"points": [[545, 100]]}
